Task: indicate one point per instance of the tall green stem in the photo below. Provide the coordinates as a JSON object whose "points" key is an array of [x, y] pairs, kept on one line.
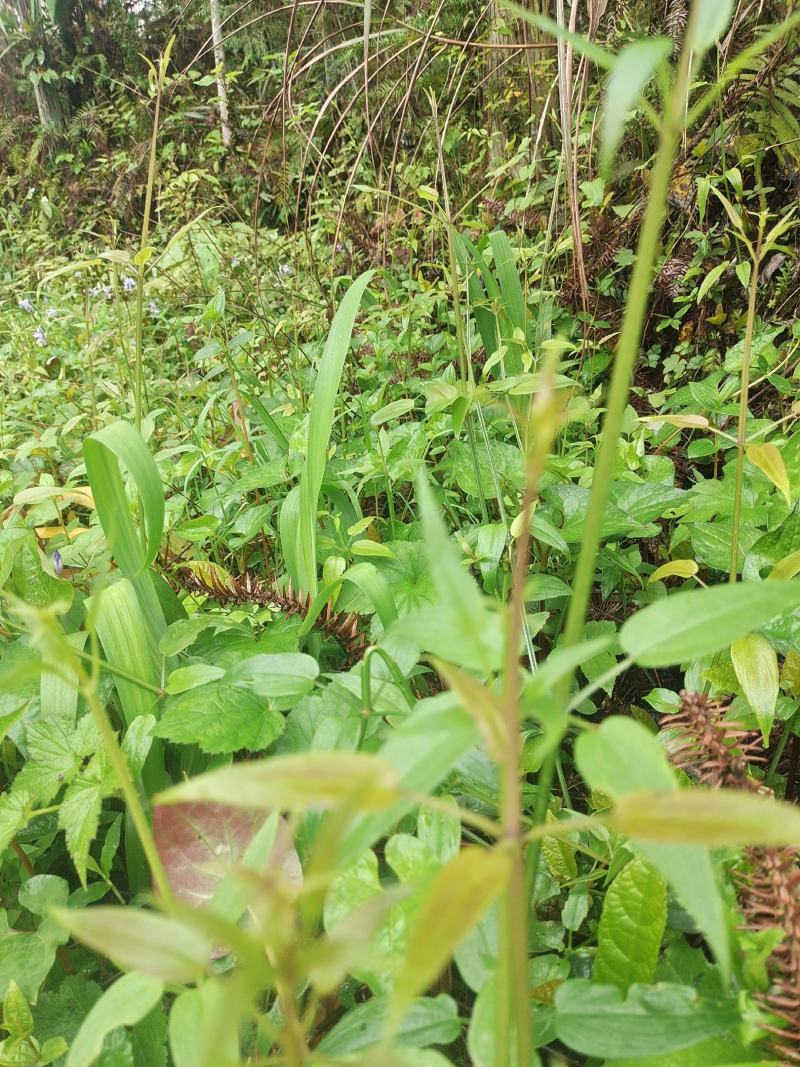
{"points": [[624, 362], [141, 258], [741, 432]]}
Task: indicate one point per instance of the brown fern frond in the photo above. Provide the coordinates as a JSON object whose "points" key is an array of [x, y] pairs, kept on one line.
{"points": [[710, 748], [675, 22], [250, 589]]}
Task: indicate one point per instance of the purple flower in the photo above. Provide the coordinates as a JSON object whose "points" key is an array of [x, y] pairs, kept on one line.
{"points": [[25, 305], [40, 336], [154, 309], [58, 566], [128, 283], [285, 268], [235, 262], [51, 313]]}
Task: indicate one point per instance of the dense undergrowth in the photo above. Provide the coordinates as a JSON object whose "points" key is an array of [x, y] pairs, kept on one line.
{"points": [[399, 641]]}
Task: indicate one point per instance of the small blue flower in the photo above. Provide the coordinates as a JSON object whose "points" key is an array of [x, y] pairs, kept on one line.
{"points": [[51, 313], [58, 566], [285, 268], [154, 309], [25, 305], [40, 336], [235, 262], [128, 283]]}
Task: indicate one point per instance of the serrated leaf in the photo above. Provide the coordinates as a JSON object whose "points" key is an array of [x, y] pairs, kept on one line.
{"points": [[559, 855], [455, 900], [124, 1003], [294, 783], [688, 625], [138, 940], [79, 811], [768, 459], [631, 926], [14, 808], [219, 718], [17, 1017], [755, 662], [52, 759]]}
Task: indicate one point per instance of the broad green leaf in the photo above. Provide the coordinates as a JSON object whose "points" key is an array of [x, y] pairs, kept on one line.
{"points": [[676, 568], [631, 926], [768, 459], [712, 818], [429, 1021], [190, 677], [755, 662], [786, 568], [294, 783], [34, 584], [140, 940], [302, 527], [129, 645], [455, 900], [595, 1020], [621, 758], [219, 718], [633, 68], [688, 625], [278, 675], [481, 703], [708, 21], [124, 1003]]}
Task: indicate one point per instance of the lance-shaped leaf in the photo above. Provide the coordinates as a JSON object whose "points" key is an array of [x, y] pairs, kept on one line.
{"points": [[481, 703], [769, 461], [755, 662], [124, 1003]]}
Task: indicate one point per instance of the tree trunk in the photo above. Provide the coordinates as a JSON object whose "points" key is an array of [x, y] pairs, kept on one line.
{"points": [[53, 112], [219, 61]]}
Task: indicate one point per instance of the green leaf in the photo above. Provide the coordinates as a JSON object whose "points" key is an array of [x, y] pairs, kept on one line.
{"points": [[683, 627], [713, 818], [755, 662], [203, 1025], [129, 644], [631, 926], [285, 675], [633, 68], [456, 899], [294, 783], [79, 811], [139, 940], [708, 22], [621, 758], [219, 718], [559, 856], [595, 1020], [711, 279], [482, 704], [429, 1021], [185, 678], [17, 1017], [35, 585], [124, 1003], [301, 525], [768, 459], [467, 609], [14, 808]]}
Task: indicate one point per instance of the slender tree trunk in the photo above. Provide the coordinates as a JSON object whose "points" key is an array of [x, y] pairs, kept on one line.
{"points": [[494, 88], [219, 61], [52, 110]]}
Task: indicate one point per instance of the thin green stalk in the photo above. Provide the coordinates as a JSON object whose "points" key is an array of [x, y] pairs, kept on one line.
{"points": [[741, 430], [625, 359], [138, 373], [129, 792]]}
